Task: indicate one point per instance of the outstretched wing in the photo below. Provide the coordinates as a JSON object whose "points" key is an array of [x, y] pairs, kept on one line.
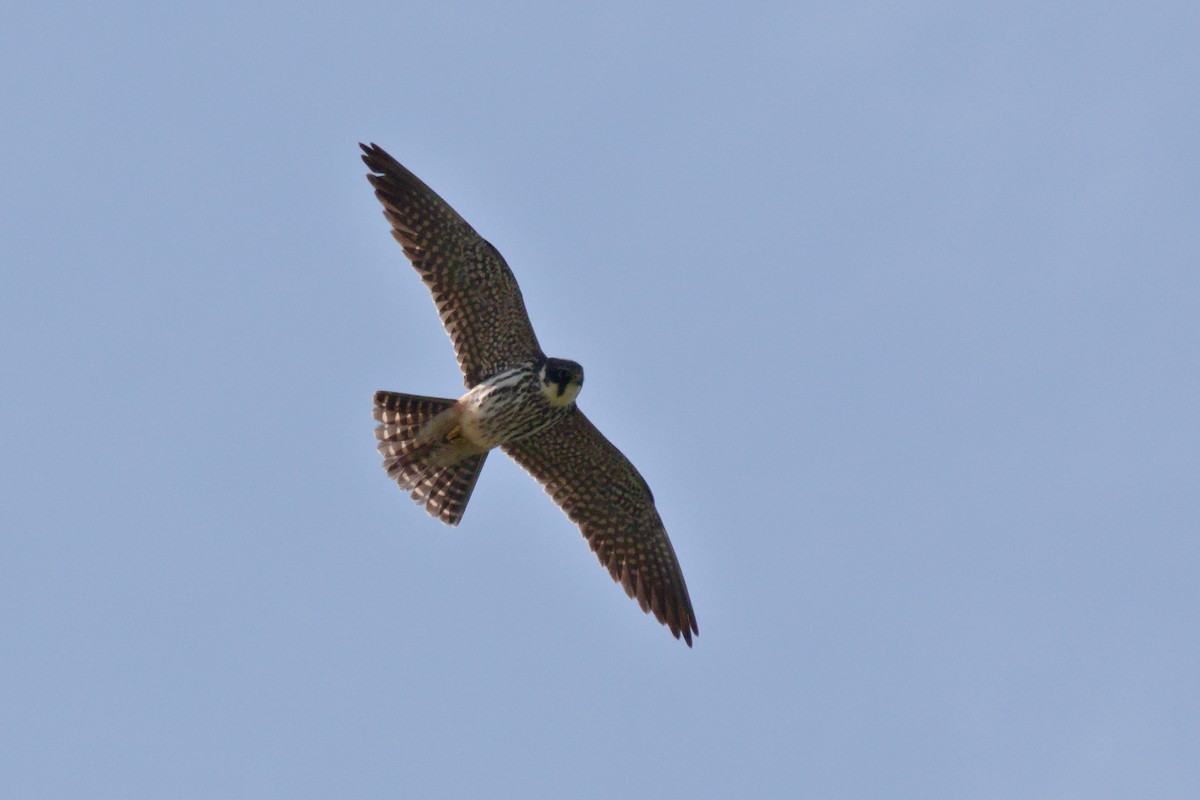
{"points": [[602, 492], [475, 291]]}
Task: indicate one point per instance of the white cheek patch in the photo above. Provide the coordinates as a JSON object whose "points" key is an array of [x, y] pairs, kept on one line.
{"points": [[550, 392]]}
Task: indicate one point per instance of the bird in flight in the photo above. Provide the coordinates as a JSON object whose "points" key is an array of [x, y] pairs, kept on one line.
{"points": [[518, 399]]}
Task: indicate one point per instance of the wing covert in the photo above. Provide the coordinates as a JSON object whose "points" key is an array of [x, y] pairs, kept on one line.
{"points": [[475, 292]]}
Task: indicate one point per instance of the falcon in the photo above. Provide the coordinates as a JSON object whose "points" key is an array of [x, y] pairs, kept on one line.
{"points": [[517, 399]]}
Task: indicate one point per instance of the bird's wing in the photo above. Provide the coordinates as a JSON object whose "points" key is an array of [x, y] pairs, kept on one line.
{"points": [[474, 290], [602, 492]]}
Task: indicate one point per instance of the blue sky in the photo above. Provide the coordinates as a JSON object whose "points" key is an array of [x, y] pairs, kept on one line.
{"points": [[895, 306]]}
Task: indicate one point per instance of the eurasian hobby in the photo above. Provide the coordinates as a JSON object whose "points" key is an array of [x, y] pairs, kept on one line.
{"points": [[518, 400]]}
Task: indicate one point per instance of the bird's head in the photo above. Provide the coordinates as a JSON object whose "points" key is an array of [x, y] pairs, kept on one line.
{"points": [[561, 380]]}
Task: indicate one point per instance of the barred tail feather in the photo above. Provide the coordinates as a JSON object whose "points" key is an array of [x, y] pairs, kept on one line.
{"points": [[442, 489], [407, 411]]}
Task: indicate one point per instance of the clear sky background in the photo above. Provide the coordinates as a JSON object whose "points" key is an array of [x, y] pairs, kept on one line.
{"points": [[895, 305]]}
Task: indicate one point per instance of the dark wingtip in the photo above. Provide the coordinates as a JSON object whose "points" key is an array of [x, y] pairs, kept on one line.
{"points": [[689, 627], [375, 157]]}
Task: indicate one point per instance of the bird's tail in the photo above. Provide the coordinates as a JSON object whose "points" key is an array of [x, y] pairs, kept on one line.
{"points": [[443, 489]]}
